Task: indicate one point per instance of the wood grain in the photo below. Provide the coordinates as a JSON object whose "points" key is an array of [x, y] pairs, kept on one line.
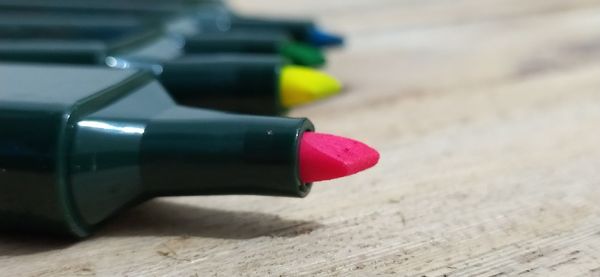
{"points": [[487, 115]]}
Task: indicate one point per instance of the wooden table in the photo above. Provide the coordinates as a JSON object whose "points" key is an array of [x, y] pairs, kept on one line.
{"points": [[487, 115]]}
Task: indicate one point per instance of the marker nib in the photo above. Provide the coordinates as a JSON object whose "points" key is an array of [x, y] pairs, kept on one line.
{"points": [[325, 157], [302, 85], [303, 54], [320, 38]]}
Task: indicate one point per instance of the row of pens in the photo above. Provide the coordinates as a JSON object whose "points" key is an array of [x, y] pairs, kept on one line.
{"points": [[105, 104]]}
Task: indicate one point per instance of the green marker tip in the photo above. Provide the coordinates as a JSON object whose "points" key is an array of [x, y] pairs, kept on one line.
{"points": [[303, 54]]}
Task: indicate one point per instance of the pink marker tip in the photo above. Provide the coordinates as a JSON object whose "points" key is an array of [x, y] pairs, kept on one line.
{"points": [[325, 157]]}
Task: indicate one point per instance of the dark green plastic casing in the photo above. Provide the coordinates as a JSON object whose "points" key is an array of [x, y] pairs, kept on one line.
{"points": [[241, 83], [212, 16], [236, 42], [299, 30], [79, 144], [86, 44]]}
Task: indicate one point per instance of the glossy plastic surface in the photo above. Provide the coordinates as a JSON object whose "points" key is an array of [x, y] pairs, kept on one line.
{"points": [[236, 42], [239, 83], [80, 144], [234, 82], [298, 30], [38, 122], [191, 152], [212, 15]]}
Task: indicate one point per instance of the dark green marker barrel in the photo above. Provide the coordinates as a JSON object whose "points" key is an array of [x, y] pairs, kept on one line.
{"points": [[80, 144], [236, 42], [240, 83], [273, 43], [299, 29], [52, 51], [231, 82]]}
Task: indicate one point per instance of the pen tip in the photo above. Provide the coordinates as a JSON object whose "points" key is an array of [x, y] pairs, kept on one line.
{"points": [[302, 85], [325, 157], [320, 38], [303, 54]]}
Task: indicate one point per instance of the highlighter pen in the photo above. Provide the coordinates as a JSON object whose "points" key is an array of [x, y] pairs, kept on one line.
{"points": [[272, 43], [218, 17], [211, 16], [79, 144], [255, 42], [256, 84], [300, 30]]}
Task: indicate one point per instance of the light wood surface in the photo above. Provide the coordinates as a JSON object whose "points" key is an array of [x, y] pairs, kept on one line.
{"points": [[487, 116]]}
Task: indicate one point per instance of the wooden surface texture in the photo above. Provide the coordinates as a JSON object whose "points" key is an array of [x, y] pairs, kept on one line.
{"points": [[487, 116]]}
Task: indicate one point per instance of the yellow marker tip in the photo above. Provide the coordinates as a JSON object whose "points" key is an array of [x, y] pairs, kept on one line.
{"points": [[302, 85]]}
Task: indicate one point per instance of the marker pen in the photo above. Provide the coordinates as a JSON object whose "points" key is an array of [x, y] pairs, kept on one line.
{"points": [[218, 17], [187, 29], [212, 16], [272, 42], [79, 144], [257, 84], [300, 30]]}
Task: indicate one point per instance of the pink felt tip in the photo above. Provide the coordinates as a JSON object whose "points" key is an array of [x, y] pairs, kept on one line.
{"points": [[325, 157]]}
